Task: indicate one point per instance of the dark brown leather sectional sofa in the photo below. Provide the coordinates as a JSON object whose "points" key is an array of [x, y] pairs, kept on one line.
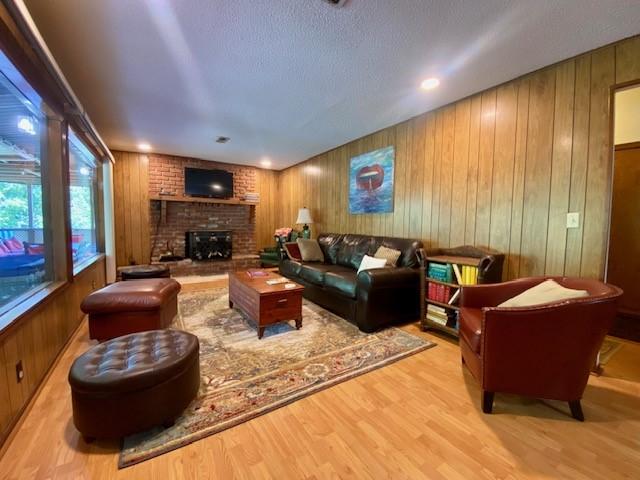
{"points": [[371, 300]]}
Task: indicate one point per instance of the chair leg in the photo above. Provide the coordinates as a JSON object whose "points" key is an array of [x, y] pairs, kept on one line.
{"points": [[576, 410], [487, 401]]}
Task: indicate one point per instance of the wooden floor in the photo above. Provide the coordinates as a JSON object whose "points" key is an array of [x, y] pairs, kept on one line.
{"points": [[417, 418]]}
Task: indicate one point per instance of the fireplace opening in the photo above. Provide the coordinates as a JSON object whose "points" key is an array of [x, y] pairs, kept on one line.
{"points": [[208, 245]]}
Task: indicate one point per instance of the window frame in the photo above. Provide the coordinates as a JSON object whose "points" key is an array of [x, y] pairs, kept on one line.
{"points": [[98, 205], [56, 206]]}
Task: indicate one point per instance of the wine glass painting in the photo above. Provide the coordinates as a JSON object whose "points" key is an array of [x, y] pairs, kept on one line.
{"points": [[371, 182]]}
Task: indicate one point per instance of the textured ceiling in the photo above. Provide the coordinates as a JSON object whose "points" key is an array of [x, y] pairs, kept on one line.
{"points": [[289, 79]]}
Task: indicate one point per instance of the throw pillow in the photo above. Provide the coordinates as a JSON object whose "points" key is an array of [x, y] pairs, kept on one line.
{"points": [[293, 251], [389, 254], [310, 250], [34, 248], [545, 292], [14, 245], [369, 263]]}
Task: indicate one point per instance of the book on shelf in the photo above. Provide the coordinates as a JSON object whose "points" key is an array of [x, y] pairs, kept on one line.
{"points": [[436, 309], [439, 293], [440, 271], [469, 275], [435, 319], [454, 297], [456, 271]]}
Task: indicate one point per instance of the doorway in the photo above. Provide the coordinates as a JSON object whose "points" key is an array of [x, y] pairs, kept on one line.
{"points": [[623, 265]]}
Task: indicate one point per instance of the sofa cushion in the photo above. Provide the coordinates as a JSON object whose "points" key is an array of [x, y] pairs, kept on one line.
{"points": [[290, 268], [406, 246], [352, 250], [545, 292], [343, 281], [389, 254], [369, 263], [314, 272], [330, 244], [310, 250], [471, 327], [293, 250], [14, 245]]}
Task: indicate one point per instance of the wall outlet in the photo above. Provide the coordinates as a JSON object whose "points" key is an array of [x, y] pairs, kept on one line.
{"points": [[19, 371], [573, 220]]}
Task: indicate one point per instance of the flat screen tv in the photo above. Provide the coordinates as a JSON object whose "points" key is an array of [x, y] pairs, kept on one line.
{"points": [[199, 182]]}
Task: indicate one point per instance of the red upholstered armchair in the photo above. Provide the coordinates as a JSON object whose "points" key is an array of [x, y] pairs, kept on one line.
{"points": [[544, 351]]}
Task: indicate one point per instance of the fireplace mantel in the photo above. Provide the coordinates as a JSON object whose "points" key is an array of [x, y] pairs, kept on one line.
{"points": [[181, 198]]}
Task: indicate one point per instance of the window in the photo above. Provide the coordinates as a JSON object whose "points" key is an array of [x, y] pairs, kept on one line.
{"points": [[25, 260], [83, 195]]}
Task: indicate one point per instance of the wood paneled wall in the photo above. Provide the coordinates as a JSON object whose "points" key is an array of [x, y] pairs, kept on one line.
{"points": [[501, 169], [131, 208], [37, 339], [266, 213]]}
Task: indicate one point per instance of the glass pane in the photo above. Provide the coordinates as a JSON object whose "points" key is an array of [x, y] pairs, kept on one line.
{"points": [[83, 190], [24, 260]]}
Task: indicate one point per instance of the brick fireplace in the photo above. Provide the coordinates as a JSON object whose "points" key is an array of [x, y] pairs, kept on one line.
{"points": [[166, 177]]}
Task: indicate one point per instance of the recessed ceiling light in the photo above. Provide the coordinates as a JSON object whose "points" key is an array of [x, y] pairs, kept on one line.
{"points": [[145, 147], [265, 162], [430, 83], [222, 139]]}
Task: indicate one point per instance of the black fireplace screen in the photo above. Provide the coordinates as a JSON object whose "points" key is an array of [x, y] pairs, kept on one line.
{"points": [[208, 245]]}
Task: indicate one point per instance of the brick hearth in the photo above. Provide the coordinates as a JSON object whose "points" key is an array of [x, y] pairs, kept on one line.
{"points": [[166, 176]]}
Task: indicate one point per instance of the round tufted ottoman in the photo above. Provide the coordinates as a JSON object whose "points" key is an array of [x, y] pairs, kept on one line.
{"points": [[138, 272], [135, 382]]}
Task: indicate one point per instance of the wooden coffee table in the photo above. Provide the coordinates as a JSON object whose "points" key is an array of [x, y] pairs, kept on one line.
{"points": [[265, 304]]}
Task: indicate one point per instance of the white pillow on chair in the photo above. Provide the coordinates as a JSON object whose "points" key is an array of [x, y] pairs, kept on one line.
{"points": [[369, 263], [545, 292]]}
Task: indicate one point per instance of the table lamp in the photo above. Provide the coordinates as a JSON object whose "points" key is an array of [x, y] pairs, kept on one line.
{"points": [[304, 217]]}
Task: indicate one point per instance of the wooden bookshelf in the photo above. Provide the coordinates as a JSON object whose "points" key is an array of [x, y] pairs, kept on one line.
{"points": [[441, 304], [489, 269]]}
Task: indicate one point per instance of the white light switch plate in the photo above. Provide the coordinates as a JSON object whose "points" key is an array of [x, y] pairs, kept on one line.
{"points": [[573, 220]]}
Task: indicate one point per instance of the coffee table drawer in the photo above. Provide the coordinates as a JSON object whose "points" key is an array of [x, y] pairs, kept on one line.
{"points": [[284, 306]]}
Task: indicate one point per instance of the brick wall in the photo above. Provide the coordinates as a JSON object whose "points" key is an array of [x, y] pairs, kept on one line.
{"points": [[182, 217], [166, 175]]}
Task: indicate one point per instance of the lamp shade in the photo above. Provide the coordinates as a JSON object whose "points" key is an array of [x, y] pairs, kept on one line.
{"points": [[304, 216]]}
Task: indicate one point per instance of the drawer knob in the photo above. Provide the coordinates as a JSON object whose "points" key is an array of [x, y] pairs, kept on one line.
{"points": [[282, 300]]}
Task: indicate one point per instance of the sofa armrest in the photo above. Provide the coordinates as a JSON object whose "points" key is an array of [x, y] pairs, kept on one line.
{"points": [[386, 296], [386, 277], [491, 295]]}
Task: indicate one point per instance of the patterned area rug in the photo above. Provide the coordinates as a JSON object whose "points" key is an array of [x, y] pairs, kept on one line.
{"points": [[609, 348], [243, 377]]}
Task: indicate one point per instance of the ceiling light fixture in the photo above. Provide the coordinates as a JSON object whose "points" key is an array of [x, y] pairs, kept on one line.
{"points": [[430, 83], [265, 162], [222, 139], [145, 147]]}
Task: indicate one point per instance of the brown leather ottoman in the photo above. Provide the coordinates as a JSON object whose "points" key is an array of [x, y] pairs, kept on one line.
{"points": [[139, 272], [133, 383], [133, 306]]}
